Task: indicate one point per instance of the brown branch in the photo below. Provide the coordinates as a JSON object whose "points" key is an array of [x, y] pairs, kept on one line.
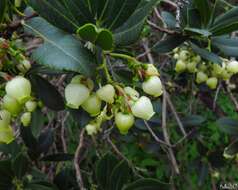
{"points": [[166, 136], [76, 161], [161, 29]]}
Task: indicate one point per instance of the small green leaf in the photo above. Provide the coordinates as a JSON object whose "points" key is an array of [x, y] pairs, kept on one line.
{"points": [[105, 39], [193, 120], [200, 32], [169, 19], [3, 6], [88, 32], [45, 140]]}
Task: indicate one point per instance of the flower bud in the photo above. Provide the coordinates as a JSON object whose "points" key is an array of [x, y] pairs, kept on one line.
{"points": [[131, 92], [143, 108], [6, 134], [124, 122], [77, 79], [19, 88], [26, 119], [183, 55], [92, 105], [24, 66], [197, 59], [91, 129], [30, 105], [176, 56], [192, 67], [180, 66], [232, 67], [153, 86], [151, 70], [201, 77], [80, 79], [212, 82], [11, 105], [106, 93], [75, 95]]}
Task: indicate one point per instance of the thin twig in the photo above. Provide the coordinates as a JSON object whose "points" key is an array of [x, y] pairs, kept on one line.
{"points": [[161, 29], [232, 97], [76, 161], [216, 96], [166, 136], [180, 124], [154, 135], [117, 151], [63, 132]]}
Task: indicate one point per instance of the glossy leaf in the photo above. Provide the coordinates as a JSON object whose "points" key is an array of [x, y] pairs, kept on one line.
{"points": [[169, 19], [204, 9], [60, 50]]}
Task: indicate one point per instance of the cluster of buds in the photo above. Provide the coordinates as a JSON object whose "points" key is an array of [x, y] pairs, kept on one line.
{"points": [[206, 72], [17, 102], [18, 60], [122, 103]]}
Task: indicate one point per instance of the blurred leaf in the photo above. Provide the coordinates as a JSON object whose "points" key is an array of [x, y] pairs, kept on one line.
{"points": [[204, 9], [80, 116], [46, 139], [47, 93], [227, 45], [205, 54], [147, 184], [169, 19], [196, 31], [28, 138], [228, 125], [3, 6], [66, 179], [13, 148], [104, 169], [60, 50], [41, 185], [120, 175], [232, 149], [149, 162], [193, 120], [37, 122], [6, 175], [20, 166], [59, 157], [167, 45]]}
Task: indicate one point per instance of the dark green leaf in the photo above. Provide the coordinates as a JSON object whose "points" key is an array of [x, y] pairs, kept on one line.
{"points": [[80, 116], [105, 39], [147, 184], [60, 50], [167, 45], [47, 93], [228, 46], [120, 175], [225, 29], [205, 54], [3, 6], [37, 122], [28, 138], [20, 166], [59, 157], [169, 19], [196, 31], [104, 169], [46, 139], [129, 32], [88, 32], [6, 175], [204, 9], [228, 125], [193, 120], [42, 185], [13, 148]]}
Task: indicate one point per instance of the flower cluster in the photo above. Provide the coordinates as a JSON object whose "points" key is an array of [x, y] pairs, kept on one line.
{"points": [[17, 102], [206, 72], [121, 103]]}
